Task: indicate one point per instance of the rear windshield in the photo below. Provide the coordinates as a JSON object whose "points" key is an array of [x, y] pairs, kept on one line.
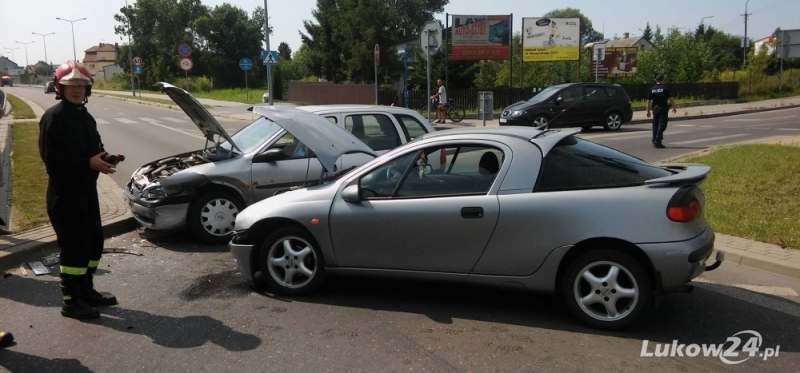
{"points": [[575, 164]]}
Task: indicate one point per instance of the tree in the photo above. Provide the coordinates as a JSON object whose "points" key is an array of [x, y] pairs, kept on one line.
{"points": [[647, 33], [284, 52], [43, 69], [658, 37]]}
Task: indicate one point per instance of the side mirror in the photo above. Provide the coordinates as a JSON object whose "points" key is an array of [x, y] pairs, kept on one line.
{"points": [[271, 155], [351, 194]]}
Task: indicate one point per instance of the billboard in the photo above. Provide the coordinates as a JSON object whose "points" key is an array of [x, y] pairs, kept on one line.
{"points": [[790, 45], [481, 37], [550, 39], [619, 62]]}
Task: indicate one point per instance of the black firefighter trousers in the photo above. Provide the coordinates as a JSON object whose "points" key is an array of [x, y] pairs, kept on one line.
{"points": [[75, 216]]}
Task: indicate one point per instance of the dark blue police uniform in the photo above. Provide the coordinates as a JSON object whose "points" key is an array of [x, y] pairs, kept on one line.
{"points": [[659, 96]]}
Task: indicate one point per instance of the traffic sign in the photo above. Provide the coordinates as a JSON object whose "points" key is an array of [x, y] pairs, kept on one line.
{"points": [[186, 64], [270, 58], [245, 64], [137, 61], [185, 50], [431, 37], [137, 70]]}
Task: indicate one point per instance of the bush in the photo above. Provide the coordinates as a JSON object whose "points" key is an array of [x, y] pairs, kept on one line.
{"points": [[194, 84]]}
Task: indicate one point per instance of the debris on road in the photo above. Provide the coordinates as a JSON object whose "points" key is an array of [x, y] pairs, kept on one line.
{"points": [[38, 268], [122, 251]]}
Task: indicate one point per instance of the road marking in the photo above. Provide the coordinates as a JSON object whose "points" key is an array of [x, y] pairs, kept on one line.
{"points": [[750, 296], [707, 126], [148, 120], [708, 139], [174, 120], [625, 136], [124, 120], [102, 121], [788, 129], [759, 119], [187, 133], [121, 113], [769, 290], [685, 125]]}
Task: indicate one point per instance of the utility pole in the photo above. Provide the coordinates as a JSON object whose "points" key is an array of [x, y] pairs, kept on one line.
{"points": [[12, 53], [26, 51], [745, 41], [130, 50], [269, 67], [45, 45]]}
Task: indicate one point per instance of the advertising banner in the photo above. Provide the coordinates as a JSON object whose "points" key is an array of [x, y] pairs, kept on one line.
{"points": [[481, 37], [619, 62], [550, 39]]}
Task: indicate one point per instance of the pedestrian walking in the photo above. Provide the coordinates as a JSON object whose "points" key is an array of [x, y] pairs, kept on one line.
{"points": [[441, 108], [74, 156], [661, 98]]}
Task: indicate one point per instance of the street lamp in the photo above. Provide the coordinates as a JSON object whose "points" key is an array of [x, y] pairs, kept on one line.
{"points": [[45, 45], [702, 19], [72, 23], [26, 51], [12, 52]]}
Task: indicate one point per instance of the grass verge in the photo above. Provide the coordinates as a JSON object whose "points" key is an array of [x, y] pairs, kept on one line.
{"points": [[753, 191], [29, 179], [21, 109], [165, 101]]}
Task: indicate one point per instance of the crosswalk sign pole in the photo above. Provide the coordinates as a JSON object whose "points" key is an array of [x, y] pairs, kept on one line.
{"points": [[269, 67]]}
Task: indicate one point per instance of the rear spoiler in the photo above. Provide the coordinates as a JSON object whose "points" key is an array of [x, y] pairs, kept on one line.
{"points": [[689, 173]]}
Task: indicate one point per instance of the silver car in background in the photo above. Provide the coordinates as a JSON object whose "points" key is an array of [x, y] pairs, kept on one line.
{"points": [[204, 190], [510, 207]]}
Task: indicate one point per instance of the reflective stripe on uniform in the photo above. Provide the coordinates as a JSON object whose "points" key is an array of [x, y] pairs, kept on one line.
{"points": [[94, 263], [67, 297], [78, 271]]}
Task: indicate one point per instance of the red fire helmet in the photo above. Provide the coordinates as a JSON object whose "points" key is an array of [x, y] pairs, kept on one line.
{"points": [[73, 73]]}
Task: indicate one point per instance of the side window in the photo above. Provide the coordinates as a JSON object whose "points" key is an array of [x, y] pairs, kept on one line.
{"points": [[375, 130], [293, 148], [382, 182], [578, 164], [612, 92], [571, 95], [411, 126], [332, 119], [594, 93]]}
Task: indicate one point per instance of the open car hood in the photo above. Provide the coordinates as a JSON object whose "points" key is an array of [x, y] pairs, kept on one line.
{"points": [[327, 140], [196, 112]]}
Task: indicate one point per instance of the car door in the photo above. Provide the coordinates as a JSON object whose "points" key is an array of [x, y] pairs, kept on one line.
{"points": [[377, 130], [410, 126], [597, 102], [569, 108], [413, 216], [297, 167]]}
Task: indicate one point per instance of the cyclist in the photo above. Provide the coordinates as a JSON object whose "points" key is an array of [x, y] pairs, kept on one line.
{"points": [[441, 109]]}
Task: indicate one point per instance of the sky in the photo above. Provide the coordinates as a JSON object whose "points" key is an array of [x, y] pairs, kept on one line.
{"points": [[20, 18]]}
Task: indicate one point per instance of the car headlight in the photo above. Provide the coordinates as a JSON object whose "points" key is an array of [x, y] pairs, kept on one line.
{"points": [[154, 193], [518, 113]]}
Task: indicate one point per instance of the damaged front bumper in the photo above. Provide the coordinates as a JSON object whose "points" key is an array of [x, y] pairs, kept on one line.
{"points": [[163, 214]]}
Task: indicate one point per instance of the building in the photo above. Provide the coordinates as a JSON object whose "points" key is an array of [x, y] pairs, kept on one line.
{"points": [[769, 42], [98, 57], [8, 67]]}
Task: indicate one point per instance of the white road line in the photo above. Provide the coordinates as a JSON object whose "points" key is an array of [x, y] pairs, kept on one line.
{"points": [[187, 133], [706, 126], [685, 125], [760, 119], [708, 139], [121, 113], [625, 136], [788, 129], [174, 120], [101, 121], [148, 120], [124, 120]]}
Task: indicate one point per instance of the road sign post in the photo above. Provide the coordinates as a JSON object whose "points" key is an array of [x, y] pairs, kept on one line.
{"points": [[246, 65], [377, 62], [186, 64], [431, 35]]}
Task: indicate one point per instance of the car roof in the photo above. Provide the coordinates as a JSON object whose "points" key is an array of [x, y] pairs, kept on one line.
{"points": [[546, 140], [317, 109]]}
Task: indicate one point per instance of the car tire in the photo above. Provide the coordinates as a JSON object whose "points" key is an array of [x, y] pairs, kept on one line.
{"points": [[586, 128], [290, 262], [616, 289], [212, 216], [540, 122], [613, 121]]}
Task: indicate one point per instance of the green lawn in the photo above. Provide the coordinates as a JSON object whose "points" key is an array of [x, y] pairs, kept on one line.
{"points": [[21, 109], [753, 191], [29, 179]]}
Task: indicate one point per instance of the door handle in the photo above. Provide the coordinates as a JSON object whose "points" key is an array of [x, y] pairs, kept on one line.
{"points": [[472, 212]]}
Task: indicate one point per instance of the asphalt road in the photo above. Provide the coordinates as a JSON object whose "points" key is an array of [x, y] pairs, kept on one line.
{"points": [[185, 308], [145, 133]]}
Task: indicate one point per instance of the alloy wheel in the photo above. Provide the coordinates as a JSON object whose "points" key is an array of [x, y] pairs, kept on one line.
{"points": [[606, 291], [540, 123], [613, 121], [292, 262]]}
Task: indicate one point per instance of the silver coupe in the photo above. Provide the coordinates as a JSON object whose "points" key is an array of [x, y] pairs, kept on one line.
{"points": [[511, 207]]}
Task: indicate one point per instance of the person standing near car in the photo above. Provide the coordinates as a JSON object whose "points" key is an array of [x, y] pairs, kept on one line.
{"points": [[73, 155], [441, 108], [660, 97]]}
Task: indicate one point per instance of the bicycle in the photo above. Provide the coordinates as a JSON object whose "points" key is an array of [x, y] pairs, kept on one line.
{"points": [[455, 112]]}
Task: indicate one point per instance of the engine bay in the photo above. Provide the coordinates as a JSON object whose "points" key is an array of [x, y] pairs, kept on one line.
{"points": [[166, 167]]}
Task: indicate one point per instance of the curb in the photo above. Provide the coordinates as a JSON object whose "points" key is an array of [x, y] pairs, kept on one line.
{"points": [[716, 115], [47, 245], [746, 259]]}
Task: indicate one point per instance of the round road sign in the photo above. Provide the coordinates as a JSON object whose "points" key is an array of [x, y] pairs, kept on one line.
{"points": [[186, 64], [185, 50], [137, 61], [245, 64]]}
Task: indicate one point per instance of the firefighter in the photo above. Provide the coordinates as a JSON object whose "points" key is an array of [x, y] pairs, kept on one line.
{"points": [[73, 154]]}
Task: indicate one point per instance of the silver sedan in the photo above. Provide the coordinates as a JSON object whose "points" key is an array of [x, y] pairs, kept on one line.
{"points": [[510, 207]]}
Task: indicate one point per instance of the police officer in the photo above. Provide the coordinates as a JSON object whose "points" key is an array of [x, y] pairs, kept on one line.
{"points": [[659, 95], [73, 155]]}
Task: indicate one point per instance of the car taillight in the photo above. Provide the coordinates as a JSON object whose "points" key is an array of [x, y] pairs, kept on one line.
{"points": [[684, 206]]}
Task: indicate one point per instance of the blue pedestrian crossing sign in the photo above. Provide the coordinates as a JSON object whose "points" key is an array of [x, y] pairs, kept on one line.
{"points": [[270, 58], [137, 70], [245, 64]]}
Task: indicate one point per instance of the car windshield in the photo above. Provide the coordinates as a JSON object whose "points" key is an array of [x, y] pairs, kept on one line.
{"points": [[250, 137], [543, 95]]}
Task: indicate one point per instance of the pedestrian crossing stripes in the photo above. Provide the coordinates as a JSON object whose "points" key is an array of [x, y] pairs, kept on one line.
{"points": [[176, 120], [708, 139], [102, 121], [124, 120]]}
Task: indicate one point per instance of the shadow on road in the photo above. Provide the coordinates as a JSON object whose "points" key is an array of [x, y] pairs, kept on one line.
{"points": [[17, 362]]}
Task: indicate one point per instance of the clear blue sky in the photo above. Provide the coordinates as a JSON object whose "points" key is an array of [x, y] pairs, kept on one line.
{"points": [[19, 18]]}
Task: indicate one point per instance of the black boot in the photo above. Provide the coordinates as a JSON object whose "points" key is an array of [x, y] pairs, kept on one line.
{"points": [[92, 297], [6, 339], [73, 305]]}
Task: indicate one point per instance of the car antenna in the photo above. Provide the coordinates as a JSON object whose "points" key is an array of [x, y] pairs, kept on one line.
{"points": [[573, 104]]}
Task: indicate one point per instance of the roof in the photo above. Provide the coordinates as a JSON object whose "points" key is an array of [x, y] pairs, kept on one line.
{"points": [[629, 42], [546, 140], [108, 48], [94, 48]]}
